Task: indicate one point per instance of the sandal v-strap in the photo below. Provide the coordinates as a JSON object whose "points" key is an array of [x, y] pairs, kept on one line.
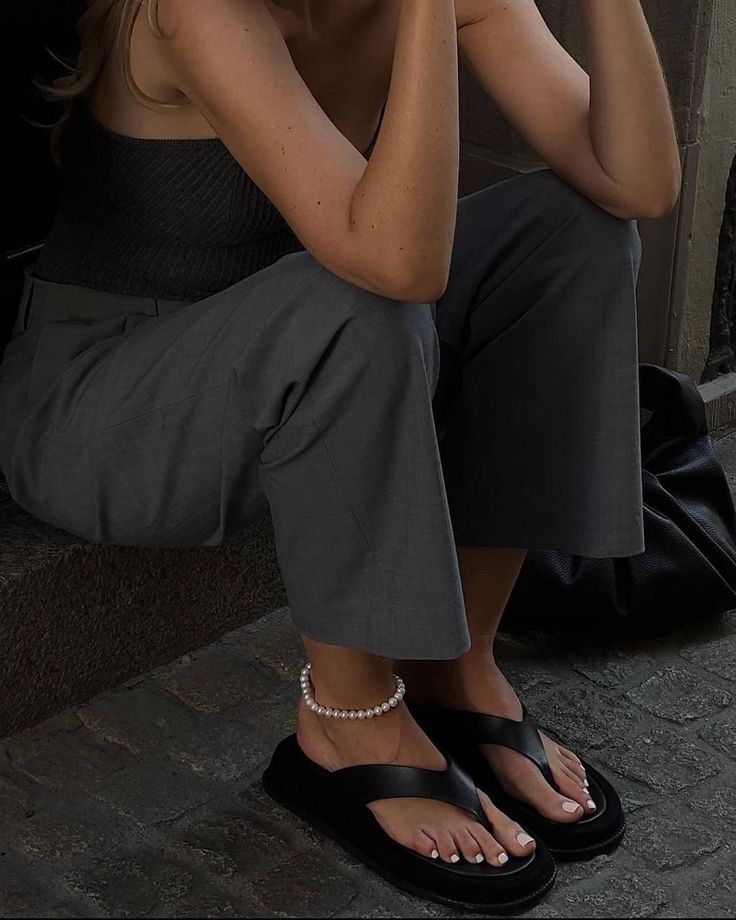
{"points": [[335, 803], [461, 732]]}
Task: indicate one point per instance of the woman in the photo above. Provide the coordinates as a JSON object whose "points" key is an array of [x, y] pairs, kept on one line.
{"points": [[236, 309]]}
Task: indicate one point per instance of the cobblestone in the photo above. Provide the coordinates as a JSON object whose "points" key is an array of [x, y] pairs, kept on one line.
{"points": [[626, 895], [721, 736], [146, 801], [129, 885], [667, 840], [679, 696], [662, 760]]}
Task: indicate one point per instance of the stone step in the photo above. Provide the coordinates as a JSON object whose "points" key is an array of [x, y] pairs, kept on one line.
{"points": [[77, 618]]}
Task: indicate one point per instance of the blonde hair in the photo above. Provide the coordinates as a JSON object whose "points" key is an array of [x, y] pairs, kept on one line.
{"points": [[105, 30]]}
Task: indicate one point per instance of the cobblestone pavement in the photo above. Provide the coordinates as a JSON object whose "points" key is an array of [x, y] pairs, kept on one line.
{"points": [[146, 801]]}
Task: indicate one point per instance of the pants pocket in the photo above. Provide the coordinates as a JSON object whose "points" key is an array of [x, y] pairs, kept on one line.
{"points": [[61, 341]]}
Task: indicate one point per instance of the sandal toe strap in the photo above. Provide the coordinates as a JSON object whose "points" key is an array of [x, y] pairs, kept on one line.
{"points": [[522, 737], [371, 782]]}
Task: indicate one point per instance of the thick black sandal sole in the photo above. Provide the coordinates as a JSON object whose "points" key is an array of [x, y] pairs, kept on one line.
{"points": [[315, 820]]}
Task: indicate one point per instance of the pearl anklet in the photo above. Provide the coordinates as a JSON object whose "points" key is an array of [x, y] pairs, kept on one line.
{"points": [[372, 712]]}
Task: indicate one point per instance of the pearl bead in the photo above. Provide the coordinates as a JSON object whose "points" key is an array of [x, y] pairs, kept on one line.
{"points": [[307, 692]]}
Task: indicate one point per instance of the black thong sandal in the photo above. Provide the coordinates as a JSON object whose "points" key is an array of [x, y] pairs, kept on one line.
{"points": [[461, 733], [334, 802]]}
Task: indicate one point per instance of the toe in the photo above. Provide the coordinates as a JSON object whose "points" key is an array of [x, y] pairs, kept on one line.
{"points": [[510, 835], [423, 843], [574, 762], [468, 846], [493, 852], [534, 789], [569, 786], [446, 845]]}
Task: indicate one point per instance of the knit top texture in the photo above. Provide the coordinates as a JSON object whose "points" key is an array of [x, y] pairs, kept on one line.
{"points": [[174, 219]]}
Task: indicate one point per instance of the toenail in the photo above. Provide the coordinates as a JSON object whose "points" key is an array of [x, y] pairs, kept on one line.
{"points": [[524, 840], [570, 807], [591, 804], [503, 858], [454, 858], [479, 858], [434, 854]]}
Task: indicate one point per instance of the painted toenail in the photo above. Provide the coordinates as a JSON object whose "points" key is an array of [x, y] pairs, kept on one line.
{"points": [[454, 858], [524, 840], [434, 854], [591, 804], [570, 807], [503, 858], [479, 858]]}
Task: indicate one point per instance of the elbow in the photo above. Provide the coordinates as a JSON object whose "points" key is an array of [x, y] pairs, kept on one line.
{"points": [[428, 287], [657, 202]]}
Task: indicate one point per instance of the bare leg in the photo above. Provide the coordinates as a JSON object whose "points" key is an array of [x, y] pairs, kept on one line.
{"points": [[351, 679], [475, 682]]}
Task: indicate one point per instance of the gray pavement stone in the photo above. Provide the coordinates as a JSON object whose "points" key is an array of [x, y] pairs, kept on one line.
{"points": [[66, 759], [14, 800], [721, 736], [221, 749], [617, 669], [125, 885], [155, 790], [22, 894], [670, 839], [583, 717], [140, 720], [660, 759], [629, 894], [60, 831], [306, 887], [679, 696], [717, 656], [718, 803], [273, 641], [232, 846], [203, 900], [219, 678], [574, 873]]}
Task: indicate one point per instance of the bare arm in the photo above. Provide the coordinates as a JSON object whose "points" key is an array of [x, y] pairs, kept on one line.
{"points": [[611, 133], [386, 225]]}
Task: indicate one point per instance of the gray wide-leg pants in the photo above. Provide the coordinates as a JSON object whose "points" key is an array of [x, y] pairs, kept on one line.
{"points": [[379, 433]]}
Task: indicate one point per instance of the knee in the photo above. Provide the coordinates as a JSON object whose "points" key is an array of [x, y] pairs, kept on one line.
{"points": [[595, 230], [390, 334]]}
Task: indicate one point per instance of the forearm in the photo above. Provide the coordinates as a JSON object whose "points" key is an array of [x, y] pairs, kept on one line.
{"points": [[631, 124], [405, 204]]}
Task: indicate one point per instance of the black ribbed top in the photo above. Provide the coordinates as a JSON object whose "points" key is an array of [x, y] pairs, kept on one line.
{"points": [[176, 219]]}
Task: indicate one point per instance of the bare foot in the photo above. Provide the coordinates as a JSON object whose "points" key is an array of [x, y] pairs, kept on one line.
{"points": [[429, 827], [481, 687]]}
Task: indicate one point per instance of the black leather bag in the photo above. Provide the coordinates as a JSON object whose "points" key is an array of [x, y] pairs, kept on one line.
{"points": [[688, 569]]}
